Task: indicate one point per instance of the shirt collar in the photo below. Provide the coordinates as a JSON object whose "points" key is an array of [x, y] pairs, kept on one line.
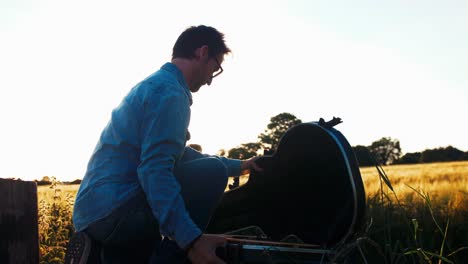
{"points": [[172, 68]]}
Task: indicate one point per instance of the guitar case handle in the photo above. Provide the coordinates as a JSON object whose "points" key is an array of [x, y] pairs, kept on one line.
{"points": [[329, 124]]}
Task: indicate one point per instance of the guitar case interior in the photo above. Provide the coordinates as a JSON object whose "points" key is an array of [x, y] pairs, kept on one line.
{"points": [[310, 187]]}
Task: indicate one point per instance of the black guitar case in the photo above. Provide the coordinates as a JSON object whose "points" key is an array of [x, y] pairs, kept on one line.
{"points": [[310, 187]]}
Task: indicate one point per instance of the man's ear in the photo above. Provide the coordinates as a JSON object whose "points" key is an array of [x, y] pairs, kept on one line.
{"points": [[204, 51]]}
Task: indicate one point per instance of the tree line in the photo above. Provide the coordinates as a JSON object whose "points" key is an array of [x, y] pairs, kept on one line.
{"points": [[385, 151], [267, 141]]}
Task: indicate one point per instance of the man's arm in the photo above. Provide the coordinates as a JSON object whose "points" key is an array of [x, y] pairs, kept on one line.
{"points": [[166, 118], [235, 167]]}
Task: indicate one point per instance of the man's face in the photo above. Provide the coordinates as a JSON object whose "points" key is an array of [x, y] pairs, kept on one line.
{"points": [[208, 68], [215, 67]]}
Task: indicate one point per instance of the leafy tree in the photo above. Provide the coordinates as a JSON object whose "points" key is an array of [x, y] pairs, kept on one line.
{"points": [[278, 125], [77, 181], [386, 150], [363, 155], [409, 158], [442, 154], [244, 151], [465, 156], [44, 181]]}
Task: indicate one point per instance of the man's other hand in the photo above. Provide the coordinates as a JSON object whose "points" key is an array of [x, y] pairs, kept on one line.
{"points": [[204, 249], [248, 165]]}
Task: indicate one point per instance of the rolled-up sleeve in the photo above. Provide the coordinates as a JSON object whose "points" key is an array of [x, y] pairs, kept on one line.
{"points": [[233, 166], [163, 131]]}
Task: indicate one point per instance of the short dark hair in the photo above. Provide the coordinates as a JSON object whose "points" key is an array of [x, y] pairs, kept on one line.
{"points": [[195, 37]]}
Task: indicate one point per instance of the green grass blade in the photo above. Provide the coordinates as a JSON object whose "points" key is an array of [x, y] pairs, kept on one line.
{"points": [[384, 177], [415, 226], [443, 241], [456, 251], [437, 256], [427, 200]]}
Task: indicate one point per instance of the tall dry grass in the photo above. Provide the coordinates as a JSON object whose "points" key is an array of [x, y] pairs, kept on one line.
{"points": [[419, 217], [425, 219], [445, 182], [55, 221]]}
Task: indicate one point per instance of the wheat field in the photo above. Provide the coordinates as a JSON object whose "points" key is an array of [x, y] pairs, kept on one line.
{"points": [[446, 183], [423, 221]]}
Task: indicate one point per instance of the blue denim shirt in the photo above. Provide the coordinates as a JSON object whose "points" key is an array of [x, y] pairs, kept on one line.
{"points": [[137, 152]]}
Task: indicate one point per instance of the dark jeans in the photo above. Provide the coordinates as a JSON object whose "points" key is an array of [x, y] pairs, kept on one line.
{"points": [[130, 234]]}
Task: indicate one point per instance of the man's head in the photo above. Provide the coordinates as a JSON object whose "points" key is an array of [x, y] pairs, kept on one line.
{"points": [[204, 48]]}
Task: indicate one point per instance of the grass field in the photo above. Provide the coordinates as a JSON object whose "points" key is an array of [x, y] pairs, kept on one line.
{"points": [[423, 220], [445, 182]]}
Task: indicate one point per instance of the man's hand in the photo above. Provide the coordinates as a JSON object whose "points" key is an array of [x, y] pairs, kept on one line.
{"points": [[248, 165], [204, 250]]}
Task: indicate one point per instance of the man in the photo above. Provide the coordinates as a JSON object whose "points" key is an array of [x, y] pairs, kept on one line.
{"points": [[142, 182]]}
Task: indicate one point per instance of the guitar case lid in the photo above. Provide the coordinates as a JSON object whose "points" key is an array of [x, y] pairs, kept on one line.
{"points": [[310, 187]]}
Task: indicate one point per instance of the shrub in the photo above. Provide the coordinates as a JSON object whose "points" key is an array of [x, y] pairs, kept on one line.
{"points": [[55, 225]]}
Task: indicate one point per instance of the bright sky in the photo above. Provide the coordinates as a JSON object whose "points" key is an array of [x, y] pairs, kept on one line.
{"points": [[395, 69]]}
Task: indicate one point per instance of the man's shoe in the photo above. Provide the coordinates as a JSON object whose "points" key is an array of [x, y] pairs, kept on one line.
{"points": [[79, 248]]}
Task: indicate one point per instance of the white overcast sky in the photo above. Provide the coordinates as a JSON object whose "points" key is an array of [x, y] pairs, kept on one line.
{"points": [[387, 68]]}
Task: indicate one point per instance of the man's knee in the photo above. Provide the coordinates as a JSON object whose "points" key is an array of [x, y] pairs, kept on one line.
{"points": [[209, 172], [216, 172]]}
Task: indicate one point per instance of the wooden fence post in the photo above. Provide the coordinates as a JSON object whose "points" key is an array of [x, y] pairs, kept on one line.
{"points": [[19, 240]]}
